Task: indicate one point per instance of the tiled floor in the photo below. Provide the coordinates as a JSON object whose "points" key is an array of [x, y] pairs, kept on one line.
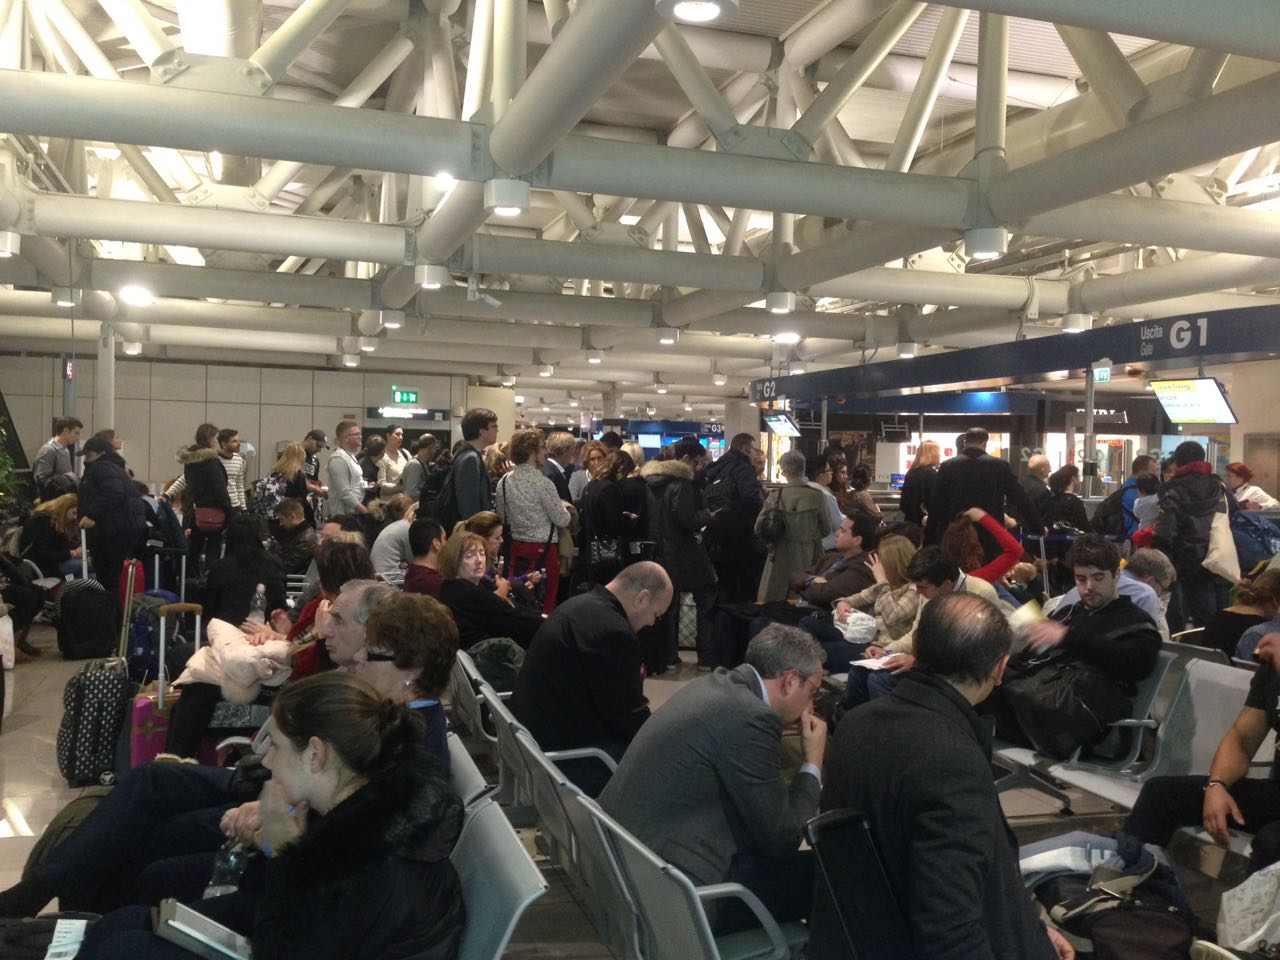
{"points": [[32, 791]]}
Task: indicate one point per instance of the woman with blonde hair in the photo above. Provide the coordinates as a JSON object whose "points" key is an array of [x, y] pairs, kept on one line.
{"points": [[592, 466], [892, 599], [917, 486], [289, 477], [51, 537]]}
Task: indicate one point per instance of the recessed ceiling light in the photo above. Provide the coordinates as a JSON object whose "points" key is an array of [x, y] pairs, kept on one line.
{"points": [[906, 349], [1076, 322], [391, 319], [351, 359], [508, 381], [719, 379], [780, 301], [786, 337], [519, 399], [137, 296], [546, 370], [444, 182], [595, 356], [431, 276], [368, 344], [696, 11], [986, 243], [10, 243], [506, 198], [132, 348]]}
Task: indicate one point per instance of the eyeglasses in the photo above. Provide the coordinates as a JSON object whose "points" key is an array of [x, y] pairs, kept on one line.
{"points": [[814, 687], [378, 656]]}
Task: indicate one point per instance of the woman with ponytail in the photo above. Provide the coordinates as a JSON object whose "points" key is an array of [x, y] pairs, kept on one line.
{"points": [[1256, 602], [357, 825]]}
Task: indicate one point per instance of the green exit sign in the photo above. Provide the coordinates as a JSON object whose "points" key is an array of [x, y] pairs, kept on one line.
{"points": [[1102, 375], [403, 396]]}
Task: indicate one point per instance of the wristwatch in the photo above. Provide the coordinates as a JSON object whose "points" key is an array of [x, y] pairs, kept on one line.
{"points": [[1215, 783]]}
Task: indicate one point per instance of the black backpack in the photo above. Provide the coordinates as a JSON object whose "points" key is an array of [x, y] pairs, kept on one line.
{"points": [[445, 507], [1112, 515]]}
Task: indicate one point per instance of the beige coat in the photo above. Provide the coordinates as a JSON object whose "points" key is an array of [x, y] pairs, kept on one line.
{"points": [[807, 522]]}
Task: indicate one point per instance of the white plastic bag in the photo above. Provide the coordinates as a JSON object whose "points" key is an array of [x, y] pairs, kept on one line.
{"points": [[6, 642], [1250, 913], [859, 628]]}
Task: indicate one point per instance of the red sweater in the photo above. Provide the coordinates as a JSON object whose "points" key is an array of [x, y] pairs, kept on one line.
{"points": [[1012, 552]]}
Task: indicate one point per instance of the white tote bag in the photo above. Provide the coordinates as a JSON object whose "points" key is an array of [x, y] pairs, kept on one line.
{"points": [[1250, 913], [1221, 557], [7, 661]]}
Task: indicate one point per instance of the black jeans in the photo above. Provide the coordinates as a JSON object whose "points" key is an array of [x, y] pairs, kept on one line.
{"points": [[705, 601], [125, 934], [189, 721], [785, 887], [157, 810], [1167, 803]]}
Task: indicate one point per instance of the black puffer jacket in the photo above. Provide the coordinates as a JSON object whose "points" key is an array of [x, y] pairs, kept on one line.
{"points": [[676, 517], [206, 479], [372, 878], [1187, 505], [109, 498]]}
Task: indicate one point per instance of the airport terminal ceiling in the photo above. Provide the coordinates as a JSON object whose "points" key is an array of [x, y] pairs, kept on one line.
{"points": [[598, 204]]}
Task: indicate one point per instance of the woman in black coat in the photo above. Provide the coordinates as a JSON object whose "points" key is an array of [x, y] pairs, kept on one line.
{"points": [[480, 611], [606, 522], [205, 480], [357, 826], [51, 538], [111, 510], [1063, 504], [917, 485]]}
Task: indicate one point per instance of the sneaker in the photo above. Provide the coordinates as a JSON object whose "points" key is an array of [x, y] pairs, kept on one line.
{"points": [[1204, 950]]}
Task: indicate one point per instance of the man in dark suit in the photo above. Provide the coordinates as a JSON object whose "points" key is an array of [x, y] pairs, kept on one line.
{"points": [[582, 684], [702, 782], [974, 478], [1038, 470], [562, 450], [917, 764]]}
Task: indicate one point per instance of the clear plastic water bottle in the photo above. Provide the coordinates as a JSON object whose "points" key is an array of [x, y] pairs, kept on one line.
{"points": [[228, 869], [258, 608]]}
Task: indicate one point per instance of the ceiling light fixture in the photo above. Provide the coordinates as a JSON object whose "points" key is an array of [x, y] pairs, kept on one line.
{"points": [[508, 381], [650, 410], [719, 379], [351, 359], [444, 182], [796, 367], [696, 11], [368, 344], [65, 296], [688, 407], [573, 403], [660, 386], [546, 370], [1077, 322], [986, 243], [10, 243], [595, 356], [780, 301], [506, 198], [431, 276], [546, 409], [519, 398], [391, 319], [132, 348], [136, 296], [786, 337], [669, 336], [906, 349]]}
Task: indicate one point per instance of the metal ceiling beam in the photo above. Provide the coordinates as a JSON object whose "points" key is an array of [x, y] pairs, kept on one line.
{"points": [[1248, 27]]}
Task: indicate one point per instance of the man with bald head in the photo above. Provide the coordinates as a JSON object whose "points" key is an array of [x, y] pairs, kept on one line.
{"points": [[582, 684], [917, 763], [1038, 470]]}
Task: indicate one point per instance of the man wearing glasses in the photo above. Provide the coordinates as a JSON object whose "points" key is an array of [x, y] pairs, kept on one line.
{"points": [[733, 493], [702, 782]]}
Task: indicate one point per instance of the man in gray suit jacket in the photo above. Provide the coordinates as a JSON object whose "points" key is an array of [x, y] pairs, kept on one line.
{"points": [[702, 785]]}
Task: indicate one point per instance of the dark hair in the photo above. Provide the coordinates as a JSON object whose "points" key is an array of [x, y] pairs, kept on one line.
{"points": [[205, 433], [338, 563], [620, 466], [475, 421], [425, 442], [1062, 478], [106, 434], [961, 637], [346, 523], [1166, 464], [1140, 463], [816, 466], [226, 433], [375, 446], [867, 527], [930, 565], [1094, 550], [422, 533], [525, 443], [741, 441], [244, 538], [688, 447], [976, 437], [1188, 451], [612, 439], [96, 445], [860, 477], [63, 424], [419, 633], [1147, 484], [289, 507], [961, 545], [369, 733]]}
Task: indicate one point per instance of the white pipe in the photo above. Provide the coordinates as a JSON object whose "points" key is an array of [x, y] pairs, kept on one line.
{"points": [[841, 326], [925, 95], [1201, 72], [577, 210], [104, 379], [993, 96], [1219, 271], [476, 88], [1110, 74], [954, 289], [543, 307], [88, 218], [510, 52], [854, 251], [694, 81], [1252, 27], [1200, 132], [557, 12], [895, 22], [746, 92], [141, 29], [444, 73], [295, 35], [598, 43], [374, 74], [11, 34], [228, 28], [828, 27]]}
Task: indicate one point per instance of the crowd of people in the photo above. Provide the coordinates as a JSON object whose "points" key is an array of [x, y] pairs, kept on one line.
{"points": [[576, 555]]}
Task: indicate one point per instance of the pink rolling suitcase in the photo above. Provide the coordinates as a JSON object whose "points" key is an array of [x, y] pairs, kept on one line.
{"points": [[149, 718]]}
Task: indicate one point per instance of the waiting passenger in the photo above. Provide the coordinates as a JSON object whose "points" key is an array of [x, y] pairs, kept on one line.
{"points": [[734, 495], [111, 510], [561, 454], [480, 611], [203, 489], [1257, 603], [346, 475], [593, 456], [817, 471], [1063, 505], [891, 598], [528, 504], [844, 572], [52, 469], [413, 479], [702, 784], [860, 491], [1188, 503], [426, 540], [917, 485], [335, 747], [1249, 495], [803, 515], [582, 684], [392, 464], [51, 537], [961, 545], [391, 551], [295, 540], [607, 530], [1146, 506]]}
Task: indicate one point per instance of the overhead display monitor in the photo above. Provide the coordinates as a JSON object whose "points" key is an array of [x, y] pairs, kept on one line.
{"points": [[651, 441], [1199, 400], [781, 425]]}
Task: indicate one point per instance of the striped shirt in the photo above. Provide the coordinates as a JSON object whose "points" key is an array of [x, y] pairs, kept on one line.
{"points": [[234, 465]]}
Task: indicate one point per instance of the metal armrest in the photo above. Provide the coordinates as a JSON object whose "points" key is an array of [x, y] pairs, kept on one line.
{"points": [[504, 694], [581, 753], [230, 742], [1130, 723], [779, 948]]}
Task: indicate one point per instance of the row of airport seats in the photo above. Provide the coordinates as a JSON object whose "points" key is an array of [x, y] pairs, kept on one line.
{"points": [[641, 906], [1181, 713]]}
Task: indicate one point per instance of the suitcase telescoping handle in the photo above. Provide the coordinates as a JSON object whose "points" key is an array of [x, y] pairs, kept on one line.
{"points": [[84, 554], [126, 609], [164, 613]]}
